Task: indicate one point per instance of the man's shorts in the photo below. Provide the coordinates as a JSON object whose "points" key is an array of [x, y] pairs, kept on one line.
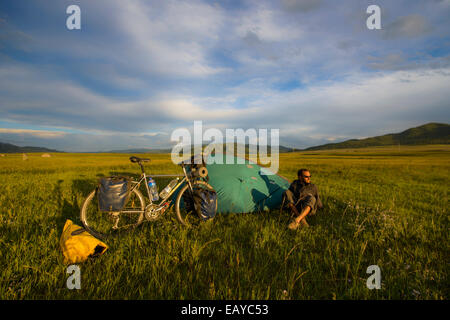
{"points": [[307, 200]]}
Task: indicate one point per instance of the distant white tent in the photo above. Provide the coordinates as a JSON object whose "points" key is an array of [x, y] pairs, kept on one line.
{"points": [[24, 156], [46, 155]]}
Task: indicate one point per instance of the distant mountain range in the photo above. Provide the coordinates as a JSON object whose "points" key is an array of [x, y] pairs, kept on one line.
{"points": [[139, 150], [10, 148], [282, 149], [430, 133]]}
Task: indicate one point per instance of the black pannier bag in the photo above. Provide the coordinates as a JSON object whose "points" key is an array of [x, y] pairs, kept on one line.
{"points": [[113, 193], [205, 203], [204, 200]]}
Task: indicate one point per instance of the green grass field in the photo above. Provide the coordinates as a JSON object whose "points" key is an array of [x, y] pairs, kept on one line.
{"points": [[384, 206]]}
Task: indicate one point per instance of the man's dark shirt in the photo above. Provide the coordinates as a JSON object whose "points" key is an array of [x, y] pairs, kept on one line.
{"points": [[301, 190]]}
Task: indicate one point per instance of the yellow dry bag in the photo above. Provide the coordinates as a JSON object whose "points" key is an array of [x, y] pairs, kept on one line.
{"points": [[77, 244]]}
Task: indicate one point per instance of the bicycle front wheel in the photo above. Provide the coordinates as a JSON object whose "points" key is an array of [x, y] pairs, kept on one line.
{"points": [[184, 205], [103, 224]]}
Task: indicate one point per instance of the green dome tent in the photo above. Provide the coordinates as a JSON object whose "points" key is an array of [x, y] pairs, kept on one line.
{"points": [[243, 188]]}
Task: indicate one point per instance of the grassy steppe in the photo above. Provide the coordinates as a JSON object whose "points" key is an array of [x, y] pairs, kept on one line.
{"points": [[385, 206]]}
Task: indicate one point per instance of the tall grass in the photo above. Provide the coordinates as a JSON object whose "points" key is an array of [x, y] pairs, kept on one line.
{"points": [[383, 206]]}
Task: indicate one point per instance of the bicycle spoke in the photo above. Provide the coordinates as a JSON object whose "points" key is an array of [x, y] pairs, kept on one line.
{"points": [[187, 213], [105, 223]]}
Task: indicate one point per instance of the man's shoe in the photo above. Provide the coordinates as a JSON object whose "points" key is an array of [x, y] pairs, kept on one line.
{"points": [[293, 225]]}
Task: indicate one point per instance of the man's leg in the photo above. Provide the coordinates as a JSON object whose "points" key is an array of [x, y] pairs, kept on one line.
{"points": [[307, 205], [290, 199], [303, 214]]}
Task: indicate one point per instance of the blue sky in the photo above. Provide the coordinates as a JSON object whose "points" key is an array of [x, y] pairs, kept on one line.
{"points": [[137, 70]]}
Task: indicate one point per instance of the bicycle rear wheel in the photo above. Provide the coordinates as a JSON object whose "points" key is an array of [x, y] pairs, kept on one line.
{"points": [[104, 224]]}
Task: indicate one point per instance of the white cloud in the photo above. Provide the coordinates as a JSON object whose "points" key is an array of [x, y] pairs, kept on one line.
{"points": [[333, 109], [267, 25], [360, 103], [408, 26], [188, 111], [174, 38], [300, 5], [37, 133]]}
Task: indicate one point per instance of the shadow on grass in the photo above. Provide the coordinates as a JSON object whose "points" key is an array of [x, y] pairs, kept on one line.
{"points": [[83, 186], [67, 208]]}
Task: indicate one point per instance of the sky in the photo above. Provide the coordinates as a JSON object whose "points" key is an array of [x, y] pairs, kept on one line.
{"points": [[138, 70]]}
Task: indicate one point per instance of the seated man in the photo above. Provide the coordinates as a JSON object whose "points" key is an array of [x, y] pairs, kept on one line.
{"points": [[302, 198]]}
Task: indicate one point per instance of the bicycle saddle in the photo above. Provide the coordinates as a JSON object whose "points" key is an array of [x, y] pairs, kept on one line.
{"points": [[138, 160]]}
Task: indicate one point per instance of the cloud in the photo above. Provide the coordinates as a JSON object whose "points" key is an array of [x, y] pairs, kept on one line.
{"points": [[187, 111], [300, 5], [13, 38], [174, 39], [27, 96], [357, 104], [396, 61], [443, 2], [36, 133], [350, 108], [267, 24], [389, 62], [410, 26], [347, 45], [168, 38], [135, 72]]}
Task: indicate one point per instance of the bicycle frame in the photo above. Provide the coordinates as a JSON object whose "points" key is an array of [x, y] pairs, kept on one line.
{"points": [[144, 179]]}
